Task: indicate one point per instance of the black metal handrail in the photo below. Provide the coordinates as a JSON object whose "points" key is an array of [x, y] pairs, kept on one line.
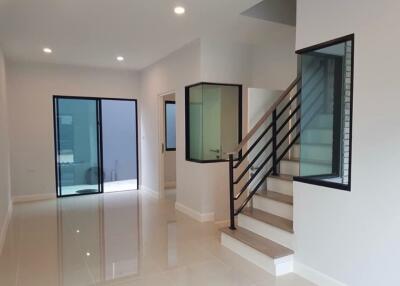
{"points": [[275, 155], [274, 115]]}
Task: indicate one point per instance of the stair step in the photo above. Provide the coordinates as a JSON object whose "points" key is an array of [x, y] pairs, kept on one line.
{"points": [[276, 197], [293, 159], [282, 177], [259, 243], [281, 184], [271, 219], [289, 167]]}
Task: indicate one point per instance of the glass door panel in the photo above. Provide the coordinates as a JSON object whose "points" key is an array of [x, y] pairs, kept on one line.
{"points": [[77, 146], [119, 141]]}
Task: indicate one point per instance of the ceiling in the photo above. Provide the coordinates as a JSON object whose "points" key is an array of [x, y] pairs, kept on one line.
{"points": [[94, 32], [280, 11]]}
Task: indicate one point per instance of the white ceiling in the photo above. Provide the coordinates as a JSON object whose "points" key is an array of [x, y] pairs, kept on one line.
{"points": [[94, 32]]}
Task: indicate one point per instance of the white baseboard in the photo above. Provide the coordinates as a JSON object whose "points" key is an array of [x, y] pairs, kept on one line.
{"points": [[170, 185], [4, 227], [32, 198], [315, 276], [150, 191], [201, 217]]}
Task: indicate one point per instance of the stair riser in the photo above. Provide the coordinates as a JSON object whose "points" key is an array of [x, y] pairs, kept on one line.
{"points": [[273, 207], [289, 168], [295, 151], [280, 186], [276, 267], [268, 231], [317, 136]]}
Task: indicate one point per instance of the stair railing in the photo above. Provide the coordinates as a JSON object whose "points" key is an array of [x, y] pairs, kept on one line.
{"points": [[275, 113], [284, 112]]}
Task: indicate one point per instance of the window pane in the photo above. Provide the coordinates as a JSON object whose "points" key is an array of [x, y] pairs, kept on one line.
{"points": [[213, 121], [326, 113], [170, 125]]}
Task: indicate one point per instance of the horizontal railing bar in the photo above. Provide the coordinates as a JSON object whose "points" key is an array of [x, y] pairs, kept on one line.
{"points": [[288, 147], [287, 119], [288, 133], [253, 192], [243, 189], [253, 146], [252, 162], [289, 103], [266, 115]]}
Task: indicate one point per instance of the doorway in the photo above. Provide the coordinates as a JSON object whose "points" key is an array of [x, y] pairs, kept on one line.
{"points": [[167, 137], [96, 145]]}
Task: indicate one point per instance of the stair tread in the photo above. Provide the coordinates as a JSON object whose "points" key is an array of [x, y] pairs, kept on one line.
{"points": [[310, 161], [279, 197], [274, 220], [294, 159], [282, 177], [259, 243]]}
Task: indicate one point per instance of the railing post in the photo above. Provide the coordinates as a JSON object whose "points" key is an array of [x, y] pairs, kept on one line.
{"points": [[274, 155], [231, 193]]}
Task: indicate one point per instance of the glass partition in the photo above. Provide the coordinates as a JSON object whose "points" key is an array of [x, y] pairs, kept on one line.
{"points": [[77, 137], [213, 121], [326, 101]]}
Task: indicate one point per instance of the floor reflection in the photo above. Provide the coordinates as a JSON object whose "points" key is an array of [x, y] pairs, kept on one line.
{"points": [[98, 238], [120, 239]]}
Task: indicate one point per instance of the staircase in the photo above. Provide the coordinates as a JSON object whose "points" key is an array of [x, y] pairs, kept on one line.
{"points": [[261, 172]]}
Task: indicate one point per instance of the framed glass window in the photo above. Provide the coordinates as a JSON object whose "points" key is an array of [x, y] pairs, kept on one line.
{"points": [[213, 121], [170, 125], [326, 113]]}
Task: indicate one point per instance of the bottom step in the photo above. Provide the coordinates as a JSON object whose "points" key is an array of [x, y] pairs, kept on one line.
{"points": [[270, 256]]}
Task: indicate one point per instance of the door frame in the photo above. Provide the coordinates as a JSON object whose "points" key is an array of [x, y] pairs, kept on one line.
{"points": [[161, 140], [99, 139]]}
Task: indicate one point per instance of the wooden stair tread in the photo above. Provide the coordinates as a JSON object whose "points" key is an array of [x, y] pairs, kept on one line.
{"points": [[282, 177], [271, 219], [259, 243], [279, 197], [294, 159]]}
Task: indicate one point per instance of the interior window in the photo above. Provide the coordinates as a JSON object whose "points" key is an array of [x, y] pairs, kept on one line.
{"points": [[170, 125], [213, 121], [326, 108]]}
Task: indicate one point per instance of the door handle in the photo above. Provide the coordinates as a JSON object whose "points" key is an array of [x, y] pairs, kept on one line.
{"points": [[214, 150]]}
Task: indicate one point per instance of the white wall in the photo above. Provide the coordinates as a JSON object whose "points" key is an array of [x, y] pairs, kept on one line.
{"points": [[30, 88], [354, 237], [5, 197], [170, 75], [204, 187]]}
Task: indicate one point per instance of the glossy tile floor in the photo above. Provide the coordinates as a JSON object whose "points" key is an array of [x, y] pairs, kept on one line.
{"points": [[120, 239]]}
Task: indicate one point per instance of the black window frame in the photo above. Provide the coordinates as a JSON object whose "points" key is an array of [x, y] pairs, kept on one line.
{"points": [[316, 179], [166, 102], [99, 140], [187, 120]]}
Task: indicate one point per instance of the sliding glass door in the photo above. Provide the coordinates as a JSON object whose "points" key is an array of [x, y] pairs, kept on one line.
{"points": [[95, 145], [119, 145], [77, 146]]}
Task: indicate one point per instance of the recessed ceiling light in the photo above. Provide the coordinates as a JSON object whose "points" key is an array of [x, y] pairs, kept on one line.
{"points": [[47, 50], [179, 10], [120, 58], [87, 253]]}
